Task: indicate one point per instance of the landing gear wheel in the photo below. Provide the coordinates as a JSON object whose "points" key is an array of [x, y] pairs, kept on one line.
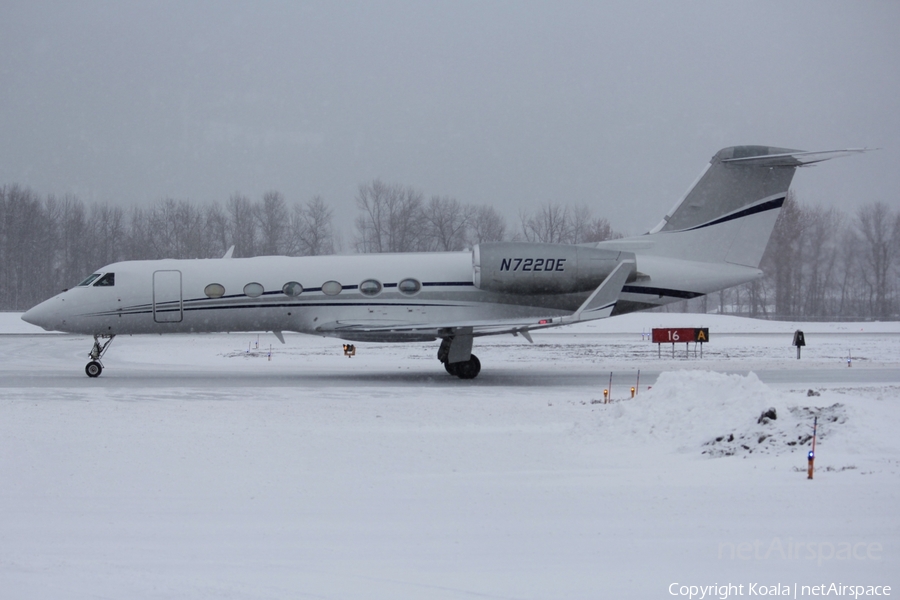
{"points": [[468, 369], [93, 369], [451, 368], [101, 343]]}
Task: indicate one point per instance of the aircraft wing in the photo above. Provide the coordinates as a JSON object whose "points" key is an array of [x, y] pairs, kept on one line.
{"points": [[598, 305]]}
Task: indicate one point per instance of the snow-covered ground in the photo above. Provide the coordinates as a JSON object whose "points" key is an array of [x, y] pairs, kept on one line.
{"points": [[200, 467]]}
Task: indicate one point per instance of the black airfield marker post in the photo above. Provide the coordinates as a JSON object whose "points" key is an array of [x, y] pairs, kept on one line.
{"points": [[610, 386], [799, 341]]}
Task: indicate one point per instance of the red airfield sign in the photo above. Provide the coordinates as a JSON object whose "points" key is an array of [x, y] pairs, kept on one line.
{"points": [[680, 334]]}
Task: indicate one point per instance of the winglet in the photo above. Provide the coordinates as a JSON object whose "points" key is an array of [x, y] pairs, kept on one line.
{"points": [[279, 335], [229, 252]]}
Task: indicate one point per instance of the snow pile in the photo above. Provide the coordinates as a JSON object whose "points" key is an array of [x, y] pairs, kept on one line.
{"points": [[774, 435], [719, 414]]}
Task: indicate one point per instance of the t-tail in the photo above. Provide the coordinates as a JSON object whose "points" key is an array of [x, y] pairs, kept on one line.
{"points": [[715, 236], [729, 213]]}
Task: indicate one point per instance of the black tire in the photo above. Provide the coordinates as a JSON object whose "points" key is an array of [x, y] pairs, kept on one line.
{"points": [[93, 369], [469, 369], [451, 368]]}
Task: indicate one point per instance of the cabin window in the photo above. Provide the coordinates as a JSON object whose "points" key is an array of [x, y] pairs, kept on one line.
{"points": [[292, 289], [214, 290], [332, 288], [254, 290], [370, 287], [409, 286], [89, 280], [107, 280]]}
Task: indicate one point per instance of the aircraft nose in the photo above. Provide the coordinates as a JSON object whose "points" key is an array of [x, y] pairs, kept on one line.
{"points": [[43, 315]]}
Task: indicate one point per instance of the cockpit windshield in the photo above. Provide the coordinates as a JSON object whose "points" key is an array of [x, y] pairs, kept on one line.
{"points": [[89, 280], [107, 280]]}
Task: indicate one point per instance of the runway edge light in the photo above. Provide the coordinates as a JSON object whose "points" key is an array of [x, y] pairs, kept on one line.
{"points": [[811, 456]]}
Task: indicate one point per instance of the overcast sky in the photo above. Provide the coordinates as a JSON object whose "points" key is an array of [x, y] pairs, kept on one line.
{"points": [[616, 105]]}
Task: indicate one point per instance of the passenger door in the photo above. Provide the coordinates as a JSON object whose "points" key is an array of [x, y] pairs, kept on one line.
{"points": [[167, 302]]}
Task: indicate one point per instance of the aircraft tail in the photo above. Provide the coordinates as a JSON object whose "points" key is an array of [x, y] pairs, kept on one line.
{"points": [[729, 213]]}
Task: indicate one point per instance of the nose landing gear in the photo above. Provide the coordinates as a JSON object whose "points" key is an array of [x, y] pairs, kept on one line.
{"points": [[101, 343]]}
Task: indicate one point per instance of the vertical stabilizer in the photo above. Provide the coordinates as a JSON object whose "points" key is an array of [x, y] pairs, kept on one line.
{"points": [[730, 212]]}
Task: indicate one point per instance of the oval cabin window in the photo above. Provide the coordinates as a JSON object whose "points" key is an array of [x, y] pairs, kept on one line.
{"points": [[332, 288], [214, 290], [409, 286], [254, 290], [370, 287], [292, 289]]}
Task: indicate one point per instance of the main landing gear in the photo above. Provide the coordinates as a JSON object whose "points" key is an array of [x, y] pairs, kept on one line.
{"points": [[101, 343], [465, 369]]}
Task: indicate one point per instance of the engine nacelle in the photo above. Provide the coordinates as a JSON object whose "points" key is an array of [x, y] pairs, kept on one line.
{"points": [[530, 268]]}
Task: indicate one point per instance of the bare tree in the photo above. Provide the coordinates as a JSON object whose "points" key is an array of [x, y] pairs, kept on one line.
{"points": [[217, 230], [392, 219], [550, 224], [877, 227], [272, 216], [242, 225], [447, 222], [137, 243], [107, 231], [487, 225], [556, 224], [311, 230], [820, 252], [177, 230], [782, 256], [849, 281], [579, 224], [600, 230], [74, 241], [25, 255], [162, 229]]}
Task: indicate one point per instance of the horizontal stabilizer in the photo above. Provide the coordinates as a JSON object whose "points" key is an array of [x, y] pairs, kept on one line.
{"points": [[794, 158]]}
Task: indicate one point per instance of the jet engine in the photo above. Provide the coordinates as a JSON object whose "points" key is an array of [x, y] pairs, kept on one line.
{"points": [[531, 268]]}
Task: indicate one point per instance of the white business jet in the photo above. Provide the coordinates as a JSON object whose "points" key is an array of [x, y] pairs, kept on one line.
{"points": [[712, 239]]}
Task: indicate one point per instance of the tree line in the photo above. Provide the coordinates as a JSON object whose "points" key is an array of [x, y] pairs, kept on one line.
{"points": [[48, 243], [397, 218], [820, 263]]}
